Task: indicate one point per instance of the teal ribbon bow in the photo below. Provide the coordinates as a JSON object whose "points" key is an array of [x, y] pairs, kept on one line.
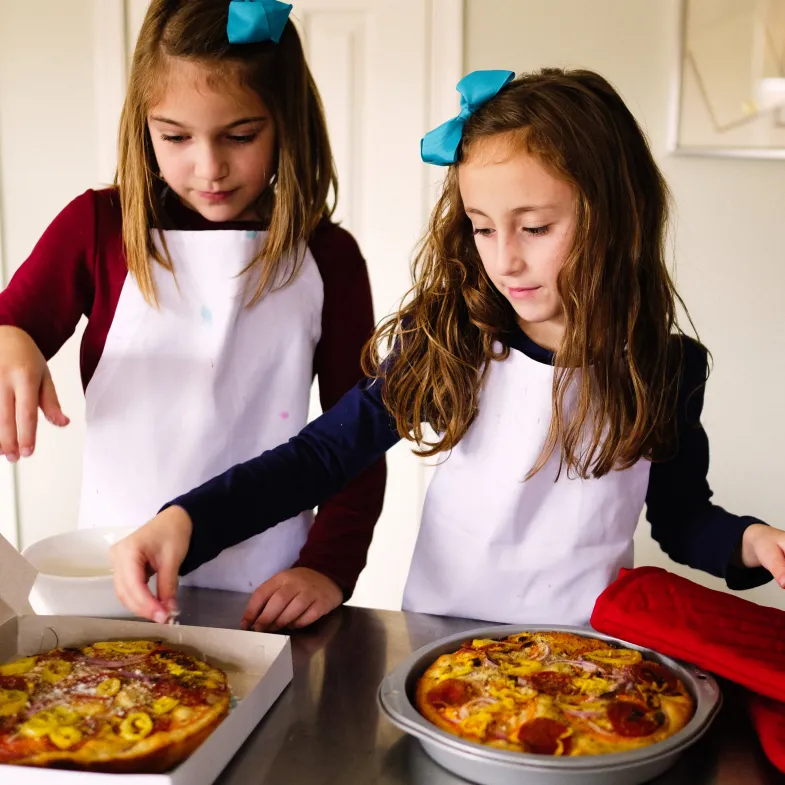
{"points": [[254, 21], [440, 146]]}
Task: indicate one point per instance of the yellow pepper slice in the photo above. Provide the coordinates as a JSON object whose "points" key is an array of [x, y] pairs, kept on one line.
{"points": [[65, 737], [164, 705], [12, 702], [19, 667], [56, 670], [615, 656], [39, 725], [136, 726], [108, 688]]}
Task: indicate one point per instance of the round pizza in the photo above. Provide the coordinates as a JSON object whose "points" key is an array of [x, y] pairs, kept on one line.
{"points": [[113, 706], [553, 693]]}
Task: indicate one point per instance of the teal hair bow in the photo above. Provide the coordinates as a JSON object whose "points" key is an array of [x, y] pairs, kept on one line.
{"points": [[253, 21], [440, 146]]}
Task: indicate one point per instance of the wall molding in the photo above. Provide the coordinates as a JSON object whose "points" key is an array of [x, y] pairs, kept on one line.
{"points": [[109, 77], [10, 523], [445, 43]]}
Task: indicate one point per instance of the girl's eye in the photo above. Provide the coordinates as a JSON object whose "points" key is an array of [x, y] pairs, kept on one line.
{"points": [[482, 232], [246, 139], [536, 230], [174, 139]]}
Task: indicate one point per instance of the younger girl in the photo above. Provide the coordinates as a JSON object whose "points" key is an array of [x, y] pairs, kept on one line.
{"points": [[540, 343], [215, 287]]}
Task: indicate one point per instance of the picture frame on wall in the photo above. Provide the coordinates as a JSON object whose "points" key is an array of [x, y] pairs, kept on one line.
{"points": [[729, 96]]}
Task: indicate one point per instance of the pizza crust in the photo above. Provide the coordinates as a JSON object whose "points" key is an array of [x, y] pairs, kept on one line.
{"points": [[155, 754]]}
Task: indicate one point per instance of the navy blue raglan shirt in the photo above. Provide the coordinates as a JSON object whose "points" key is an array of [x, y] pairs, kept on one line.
{"points": [[317, 463]]}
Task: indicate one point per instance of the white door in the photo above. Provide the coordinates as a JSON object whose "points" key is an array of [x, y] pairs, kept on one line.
{"points": [[386, 72]]}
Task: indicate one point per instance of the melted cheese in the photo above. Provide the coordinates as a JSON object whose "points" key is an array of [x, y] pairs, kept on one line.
{"points": [[477, 722], [523, 668], [182, 714], [593, 685], [481, 643], [615, 657]]}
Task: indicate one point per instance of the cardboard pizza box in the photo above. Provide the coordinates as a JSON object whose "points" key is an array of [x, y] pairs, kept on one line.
{"points": [[258, 665]]}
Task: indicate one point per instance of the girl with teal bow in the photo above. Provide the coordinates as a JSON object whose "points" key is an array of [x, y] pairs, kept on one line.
{"points": [[215, 287], [541, 345]]}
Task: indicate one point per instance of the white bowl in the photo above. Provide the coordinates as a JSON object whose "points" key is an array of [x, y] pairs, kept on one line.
{"points": [[74, 574]]}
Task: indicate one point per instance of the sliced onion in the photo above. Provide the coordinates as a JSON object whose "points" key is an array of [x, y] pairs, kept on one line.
{"points": [[591, 667], [36, 707], [546, 652], [131, 675], [474, 704], [601, 731]]}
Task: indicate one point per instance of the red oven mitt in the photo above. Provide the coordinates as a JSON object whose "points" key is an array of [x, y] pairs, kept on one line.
{"points": [[722, 633], [768, 717]]}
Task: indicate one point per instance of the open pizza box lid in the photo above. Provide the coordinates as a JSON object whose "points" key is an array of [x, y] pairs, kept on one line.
{"points": [[259, 667]]}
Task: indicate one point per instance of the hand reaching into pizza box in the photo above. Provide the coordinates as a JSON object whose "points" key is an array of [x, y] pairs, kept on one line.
{"points": [[293, 598]]}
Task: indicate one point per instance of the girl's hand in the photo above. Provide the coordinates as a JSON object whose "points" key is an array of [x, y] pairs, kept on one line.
{"points": [[25, 385], [292, 598], [764, 546], [159, 547]]}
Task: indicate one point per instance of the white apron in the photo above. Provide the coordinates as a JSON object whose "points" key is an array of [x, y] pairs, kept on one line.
{"points": [[184, 392], [494, 547]]}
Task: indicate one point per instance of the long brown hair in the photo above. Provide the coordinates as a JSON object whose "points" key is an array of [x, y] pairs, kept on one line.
{"points": [[298, 195], [618, 298]]}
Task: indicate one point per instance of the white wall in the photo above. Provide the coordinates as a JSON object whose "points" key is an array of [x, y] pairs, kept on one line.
{"points": [[48, 143], [730, 233]]}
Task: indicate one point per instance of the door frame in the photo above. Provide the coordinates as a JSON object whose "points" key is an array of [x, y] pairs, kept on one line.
{"points": [[9, 484]]}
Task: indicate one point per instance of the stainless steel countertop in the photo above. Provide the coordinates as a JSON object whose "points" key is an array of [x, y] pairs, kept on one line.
{"points": [[326, 728]]}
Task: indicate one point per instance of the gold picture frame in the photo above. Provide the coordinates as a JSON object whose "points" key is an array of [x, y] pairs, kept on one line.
{"points": [[730, 79]]}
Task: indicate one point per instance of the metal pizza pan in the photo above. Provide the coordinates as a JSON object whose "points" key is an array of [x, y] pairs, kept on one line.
{"points": [[489, 766]]}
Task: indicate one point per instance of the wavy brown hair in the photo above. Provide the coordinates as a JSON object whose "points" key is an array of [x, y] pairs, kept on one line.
{"points": [[619, 300], [297, 197]]}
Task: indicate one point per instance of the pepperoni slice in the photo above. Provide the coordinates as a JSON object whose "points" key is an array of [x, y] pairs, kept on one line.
{"points": [[13, 683], [542, 735], [654, 673], [552, 683], [632, 720], [167, 687], [451, 692], [162, 724], [13, 747]]}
